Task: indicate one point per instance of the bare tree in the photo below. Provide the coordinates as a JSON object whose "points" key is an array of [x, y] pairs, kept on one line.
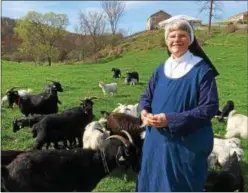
{"points": [[114, 11], [212, 7], [93, 24]]}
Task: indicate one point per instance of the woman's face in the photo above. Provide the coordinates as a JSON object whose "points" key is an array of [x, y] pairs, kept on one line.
{"points": [[178, 42]]}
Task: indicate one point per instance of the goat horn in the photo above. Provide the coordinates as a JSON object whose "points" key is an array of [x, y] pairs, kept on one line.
{"points": [[51, 80], [123, 140], [128, 135], [11, 89], [94, 97]]}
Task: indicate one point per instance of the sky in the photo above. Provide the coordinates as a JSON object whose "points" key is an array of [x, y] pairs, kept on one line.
{"points": [[135, 14]]}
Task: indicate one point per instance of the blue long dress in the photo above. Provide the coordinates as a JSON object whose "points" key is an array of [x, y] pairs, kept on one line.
{"points": [[175, 158]]}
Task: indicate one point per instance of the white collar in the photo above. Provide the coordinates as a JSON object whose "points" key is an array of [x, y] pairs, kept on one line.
{"points": [[178, 67], [185, 57]]}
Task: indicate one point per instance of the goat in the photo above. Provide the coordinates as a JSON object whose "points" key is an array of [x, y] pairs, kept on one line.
{"points": [[67, 170], [117, 72], [237, 125], [229, 106], [229, 179], [18, 124], [66, 125], [223, 148], [8, 156], [43, 103], [94, 135], [120, 121], [132, 78], [9, 103], [56, 85], [108, 88], [127, 109]]}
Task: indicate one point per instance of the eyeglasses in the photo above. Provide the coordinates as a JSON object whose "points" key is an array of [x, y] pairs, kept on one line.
{"points": [[173, 37]]}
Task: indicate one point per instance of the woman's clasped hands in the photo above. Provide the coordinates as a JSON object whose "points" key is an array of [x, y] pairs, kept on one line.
{"points": [[154, 120]]}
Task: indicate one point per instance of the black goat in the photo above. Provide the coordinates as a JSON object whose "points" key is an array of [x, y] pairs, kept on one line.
{"points": [[117, 72], [229, 179], [132, 78], [229, 106], [67, 125], [8, 156], [29, 121], [67, 170], [43, 103]]}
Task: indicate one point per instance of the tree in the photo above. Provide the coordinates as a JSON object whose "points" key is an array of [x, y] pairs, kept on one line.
{"points": [[92, 24], [40, 32], [212, 7], [114, 11]]}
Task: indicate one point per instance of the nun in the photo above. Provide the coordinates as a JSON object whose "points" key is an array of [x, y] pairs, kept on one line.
{"points": [[177, 107]]}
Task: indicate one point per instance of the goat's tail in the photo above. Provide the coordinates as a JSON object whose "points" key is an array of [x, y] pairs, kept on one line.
{"points": [[231, 114]]}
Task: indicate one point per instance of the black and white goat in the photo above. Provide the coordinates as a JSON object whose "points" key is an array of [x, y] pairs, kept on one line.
{"points": [[229, 179], [43, 103], [94, 135], [132, 78], [5, 102], [117, 73], [67, 170], [66, 125]]}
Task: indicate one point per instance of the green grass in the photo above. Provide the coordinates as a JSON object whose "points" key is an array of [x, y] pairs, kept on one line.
{"points": [[228, 53]]}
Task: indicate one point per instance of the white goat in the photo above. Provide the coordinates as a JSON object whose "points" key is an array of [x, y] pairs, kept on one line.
{"points": [[94, 135], [127, 109], [22, 92], [108, 88], [237, 125]]}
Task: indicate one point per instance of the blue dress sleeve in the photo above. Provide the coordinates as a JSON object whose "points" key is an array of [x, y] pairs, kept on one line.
{"points": [[146, 98], [207, 107]]}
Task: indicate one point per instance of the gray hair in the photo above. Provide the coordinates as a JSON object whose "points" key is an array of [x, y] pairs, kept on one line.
{"points": [[179, 24]]}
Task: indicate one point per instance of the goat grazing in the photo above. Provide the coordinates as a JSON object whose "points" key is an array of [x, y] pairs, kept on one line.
{"points": [[18, 124], [67, 170], [108, 88], [66, 125], [117, 73], [237, 125]]}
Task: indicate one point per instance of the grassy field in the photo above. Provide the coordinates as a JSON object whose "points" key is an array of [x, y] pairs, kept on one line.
{"points": [[228, 53]]}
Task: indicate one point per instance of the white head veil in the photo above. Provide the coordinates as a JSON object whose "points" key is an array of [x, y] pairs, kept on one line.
{"points": [[183, 19]]}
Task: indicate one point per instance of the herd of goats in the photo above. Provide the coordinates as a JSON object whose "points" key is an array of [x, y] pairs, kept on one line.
{"points": [[85, 150]]}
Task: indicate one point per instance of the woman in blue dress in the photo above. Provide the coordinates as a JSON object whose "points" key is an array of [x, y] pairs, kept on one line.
{"points": [[177, 107]]}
